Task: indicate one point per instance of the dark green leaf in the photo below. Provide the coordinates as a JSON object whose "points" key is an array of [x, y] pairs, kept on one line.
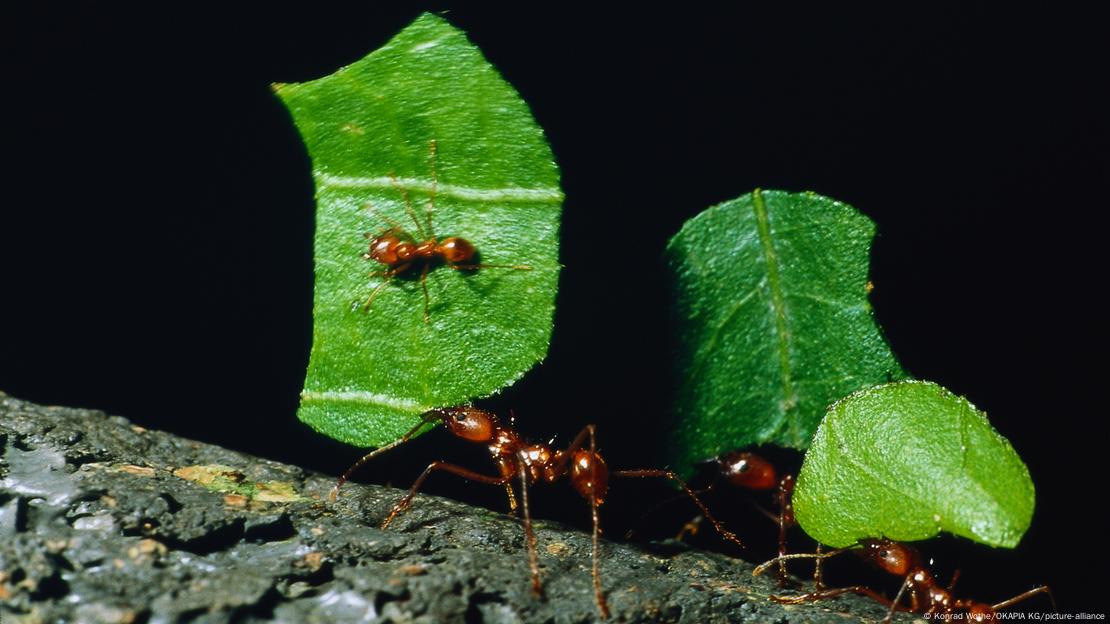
{"points": [[906, 461], [773, 321], [493, 181]]}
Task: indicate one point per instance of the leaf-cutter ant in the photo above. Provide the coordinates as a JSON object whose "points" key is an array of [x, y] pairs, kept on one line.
{"points": [[402, 253], [529, 463], [927, 597]]}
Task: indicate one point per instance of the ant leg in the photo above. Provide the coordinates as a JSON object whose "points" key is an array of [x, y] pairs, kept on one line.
{"points": [[511, 495], [833, 593], [785, 521], [599, 596], [387, 277], [374, 293], [465, 473], [428, 417], [508, 468], [897, 597], [424, 286], [408, 205], [529, 534], [818, 575], [766, 565], [821, 594], [1043, 589], [782, 548], [952, 583], [668, 474], [691, 528], [559, 467]]}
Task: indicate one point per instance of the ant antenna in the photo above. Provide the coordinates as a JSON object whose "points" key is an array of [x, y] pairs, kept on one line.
{"points": [[952, 583], [393, 225], [408, 205], [430, 206]]}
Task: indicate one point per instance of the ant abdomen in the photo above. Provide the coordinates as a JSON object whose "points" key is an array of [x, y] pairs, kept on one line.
{"points": [[589, 475], [456, 250]]}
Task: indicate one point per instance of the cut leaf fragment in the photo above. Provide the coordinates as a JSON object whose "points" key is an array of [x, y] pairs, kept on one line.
{"points": [[423, 121], [770, 296], [906, 461]]}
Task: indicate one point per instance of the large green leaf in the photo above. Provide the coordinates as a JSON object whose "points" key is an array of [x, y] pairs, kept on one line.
{"points": [[773, 321], [369, 128], [906, 461]]}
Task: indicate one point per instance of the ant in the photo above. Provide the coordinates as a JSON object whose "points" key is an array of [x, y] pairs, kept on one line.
{"points": [[927, 597], [402, 253], [528, 463]]}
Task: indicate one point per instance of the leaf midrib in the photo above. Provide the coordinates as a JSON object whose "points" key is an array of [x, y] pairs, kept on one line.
{"points": [[778, 303]]}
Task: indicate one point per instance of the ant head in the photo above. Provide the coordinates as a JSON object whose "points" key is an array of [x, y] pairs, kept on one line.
{"points": [[589, 475], [891, 557], [456, 250], [469, 423], [747, 470], [383, 248]]}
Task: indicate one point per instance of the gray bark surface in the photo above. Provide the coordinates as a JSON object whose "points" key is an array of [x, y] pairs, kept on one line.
{"points": [[104, 521]]}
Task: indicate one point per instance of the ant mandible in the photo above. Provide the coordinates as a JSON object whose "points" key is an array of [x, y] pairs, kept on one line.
{"points": [[528, 463], [398, 250], [927, 597]]}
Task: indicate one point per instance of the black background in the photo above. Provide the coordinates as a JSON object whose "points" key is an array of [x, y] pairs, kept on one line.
{"points": [[156, 231]]}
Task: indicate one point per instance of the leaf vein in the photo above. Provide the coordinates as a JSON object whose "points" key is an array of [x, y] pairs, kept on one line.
{"points": [[778, 304], [711, 344], [510, 193], [363, 397], [829, 302]]}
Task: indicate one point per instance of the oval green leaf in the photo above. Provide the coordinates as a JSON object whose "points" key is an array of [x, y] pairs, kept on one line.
{"points": [[370, 129], [906, 461], [773, 321]]}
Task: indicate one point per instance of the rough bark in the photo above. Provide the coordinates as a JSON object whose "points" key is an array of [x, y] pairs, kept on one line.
{"points": [[103, 521]]}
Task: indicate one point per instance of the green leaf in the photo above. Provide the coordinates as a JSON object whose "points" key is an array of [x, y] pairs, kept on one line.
{"points": [[494, 182], [906, 461], [773, 321]]}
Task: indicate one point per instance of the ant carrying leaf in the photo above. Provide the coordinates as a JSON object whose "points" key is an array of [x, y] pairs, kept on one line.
{"points": [[526, 464], [926, 595]]}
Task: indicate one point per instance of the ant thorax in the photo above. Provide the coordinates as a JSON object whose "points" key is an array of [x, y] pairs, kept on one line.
{"points": [[538, 460]]}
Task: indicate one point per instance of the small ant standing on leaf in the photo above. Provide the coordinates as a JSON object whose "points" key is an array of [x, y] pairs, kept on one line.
{"points": [[927, 597], [528, 463], [402, 253]]}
